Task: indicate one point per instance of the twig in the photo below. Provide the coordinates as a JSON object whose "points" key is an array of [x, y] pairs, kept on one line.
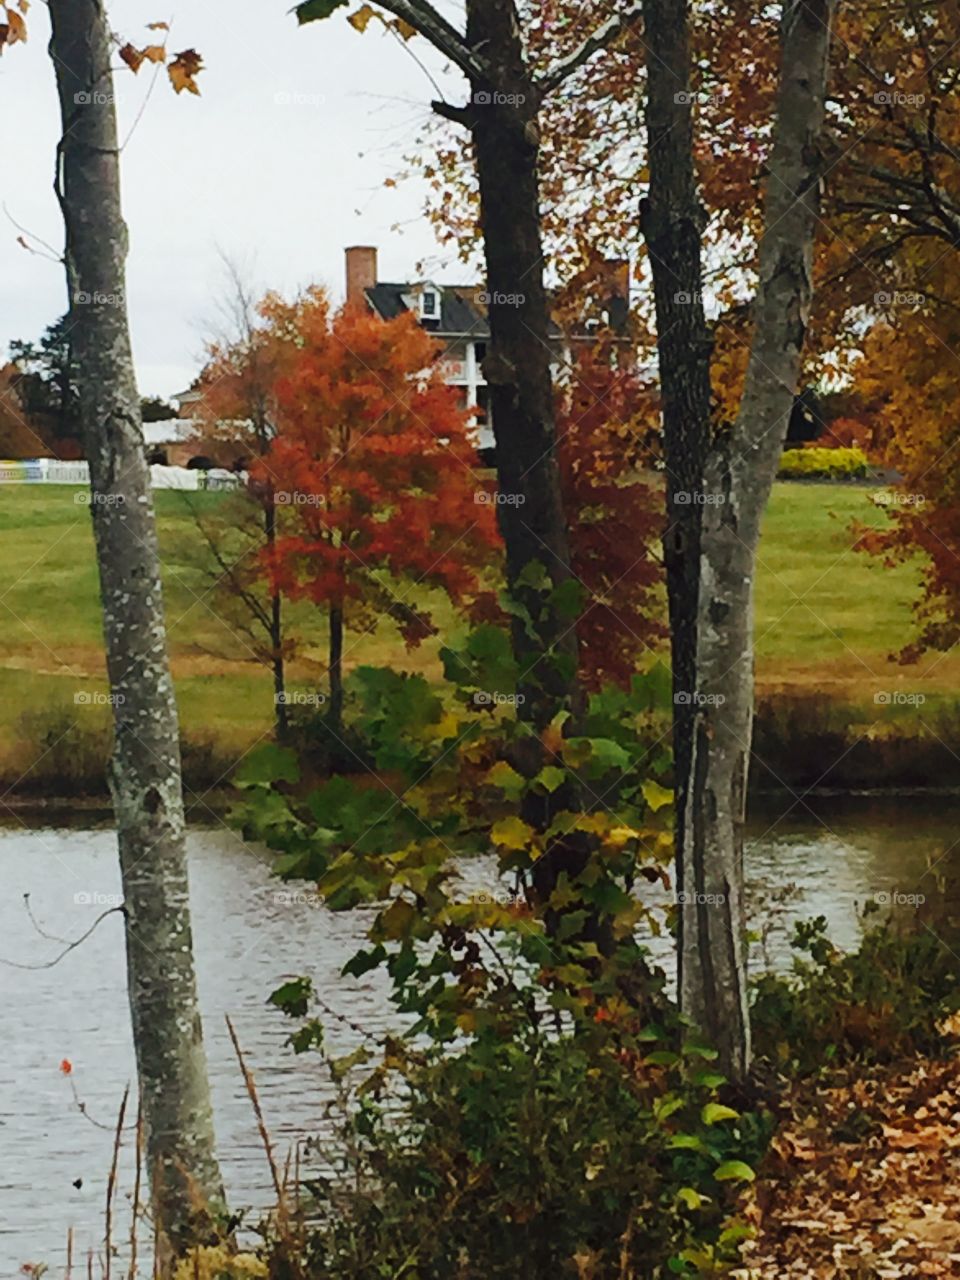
{"points": [[68, 1274], [49, 964], [255, 1103], [112, 1185], [132, 1273]]}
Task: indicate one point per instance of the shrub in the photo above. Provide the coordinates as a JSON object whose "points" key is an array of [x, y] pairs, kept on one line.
{"points": [[895, 995], [817, 462], [60, 751], [591, 1153]]}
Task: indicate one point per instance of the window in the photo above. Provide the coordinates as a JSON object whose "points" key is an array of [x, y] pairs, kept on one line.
{"points": [[430, 305]]}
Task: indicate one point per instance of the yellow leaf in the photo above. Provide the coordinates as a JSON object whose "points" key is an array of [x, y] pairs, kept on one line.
{"points": [[404, 29], [183, 71], [361, 19], [155, 53], [655, 795], [158, 26], [512, 833]]}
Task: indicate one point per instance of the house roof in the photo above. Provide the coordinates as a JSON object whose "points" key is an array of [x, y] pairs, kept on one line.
{"points": [[462, 309], [459, 312]]}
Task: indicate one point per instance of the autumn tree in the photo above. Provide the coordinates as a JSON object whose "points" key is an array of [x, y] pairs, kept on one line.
{"points": [[374, 477], [144, 775], [501, 119], [614, 510], [237, 412]]}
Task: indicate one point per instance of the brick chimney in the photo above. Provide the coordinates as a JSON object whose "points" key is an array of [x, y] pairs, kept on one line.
{"points": [[361, 272]]}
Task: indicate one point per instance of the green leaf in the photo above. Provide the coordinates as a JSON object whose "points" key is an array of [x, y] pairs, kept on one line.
{"points": [[506, 779], [314, 10], [687, 1142], [293, 997], [734, 1171], [550, 778], [363, 962], [689, 1197], [708, 1079], [310, 1036], [663, 1058], [568, 599], [714, 1112]]}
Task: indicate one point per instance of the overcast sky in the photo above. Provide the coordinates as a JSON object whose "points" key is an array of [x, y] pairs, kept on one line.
{"points": [[279, 164]]}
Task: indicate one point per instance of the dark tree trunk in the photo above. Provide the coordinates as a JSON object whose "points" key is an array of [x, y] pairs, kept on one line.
{"points": [[673, 221], [145, 770], [518, 364], [276, 633]]}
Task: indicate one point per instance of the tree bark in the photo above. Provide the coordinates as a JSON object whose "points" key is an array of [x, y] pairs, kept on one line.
{"points": [[145, 768], [673, 220], [503, 121], [736, 472]]}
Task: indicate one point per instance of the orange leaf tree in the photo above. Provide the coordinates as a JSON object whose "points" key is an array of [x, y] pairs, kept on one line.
{"points": [[375, 475]]}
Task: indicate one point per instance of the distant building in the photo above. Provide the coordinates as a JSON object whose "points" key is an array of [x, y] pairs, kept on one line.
{"points": [[457, 316]]}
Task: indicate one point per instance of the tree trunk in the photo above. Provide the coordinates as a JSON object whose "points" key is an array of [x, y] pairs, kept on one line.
{"points": [[517, 367], [673, 220], [335, 711], [738, 471], [145, 769], [276, 633]]}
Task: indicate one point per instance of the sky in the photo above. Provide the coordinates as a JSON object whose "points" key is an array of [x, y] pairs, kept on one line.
{"points": [[279, 165]]}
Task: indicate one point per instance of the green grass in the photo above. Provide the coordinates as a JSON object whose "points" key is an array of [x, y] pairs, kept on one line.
{"points": [[828, 618], [818, 600]]}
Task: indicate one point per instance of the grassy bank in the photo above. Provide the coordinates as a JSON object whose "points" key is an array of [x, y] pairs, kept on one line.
{"points": [[828, 622]]}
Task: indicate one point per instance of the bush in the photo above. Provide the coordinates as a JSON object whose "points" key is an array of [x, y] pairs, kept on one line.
{"points": [[816, 462], [59, 751], [596, 1152], [894, 996]]}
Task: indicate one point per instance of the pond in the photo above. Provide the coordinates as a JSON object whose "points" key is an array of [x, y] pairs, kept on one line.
{"points": [[251, 933]]}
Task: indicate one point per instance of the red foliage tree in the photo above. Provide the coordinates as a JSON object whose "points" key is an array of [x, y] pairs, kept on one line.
{"points": [[375, 477], [614, 504]]}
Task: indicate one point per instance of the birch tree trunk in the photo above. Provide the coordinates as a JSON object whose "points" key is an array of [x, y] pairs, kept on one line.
{"points": [[739, 467], [145, 769]]}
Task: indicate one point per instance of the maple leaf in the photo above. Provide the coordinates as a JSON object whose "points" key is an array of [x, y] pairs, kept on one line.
{"points": [[132, 56], [155, 53], [158, 26], [66, 1067], [184, 70]]}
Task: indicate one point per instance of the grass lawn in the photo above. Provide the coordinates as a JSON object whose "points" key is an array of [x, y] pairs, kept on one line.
{"points": [[828, 618]]}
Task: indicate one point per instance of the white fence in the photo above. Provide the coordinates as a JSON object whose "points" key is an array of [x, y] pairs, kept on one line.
{"points": [[52, 471]]}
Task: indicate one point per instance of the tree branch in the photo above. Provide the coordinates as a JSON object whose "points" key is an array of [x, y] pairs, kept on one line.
{"points": [[602, 38], [444, 37]]}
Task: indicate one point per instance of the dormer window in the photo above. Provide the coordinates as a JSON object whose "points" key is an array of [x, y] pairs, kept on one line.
{"points": [[429, 305]]}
